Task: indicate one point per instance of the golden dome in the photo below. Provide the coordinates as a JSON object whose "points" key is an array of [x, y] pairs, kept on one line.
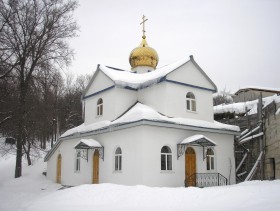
{"points": [[143, 55]]}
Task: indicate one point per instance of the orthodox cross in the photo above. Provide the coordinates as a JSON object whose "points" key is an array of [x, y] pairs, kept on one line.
{"points": [[143, 23]]}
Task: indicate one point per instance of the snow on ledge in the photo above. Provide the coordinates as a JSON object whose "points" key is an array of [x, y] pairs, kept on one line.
{"points": [[89, 142], [240, 108], [195, 138], [144, 112]]}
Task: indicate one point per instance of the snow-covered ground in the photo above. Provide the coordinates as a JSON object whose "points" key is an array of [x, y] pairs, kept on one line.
{"points": [[33, 192]]}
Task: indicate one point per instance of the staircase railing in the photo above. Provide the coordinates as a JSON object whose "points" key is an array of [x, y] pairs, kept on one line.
{"points": [[205, 180]]}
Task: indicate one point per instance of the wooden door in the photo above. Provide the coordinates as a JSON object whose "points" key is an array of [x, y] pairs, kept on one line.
{"points": [[58, 169], [95, 167], [190, 167]]}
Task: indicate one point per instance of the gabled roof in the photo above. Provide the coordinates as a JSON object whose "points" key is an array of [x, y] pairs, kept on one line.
{"points": [[131, 80]]}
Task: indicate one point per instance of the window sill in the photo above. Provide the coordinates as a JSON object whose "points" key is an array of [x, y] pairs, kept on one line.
{"points": [[189, 111], [167, 172], [77, 172], [211, 171], [117, 172]]}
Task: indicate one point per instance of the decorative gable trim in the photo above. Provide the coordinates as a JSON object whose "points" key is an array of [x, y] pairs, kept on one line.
{"points": [[203, 73], [96, 93], [190, 85]]}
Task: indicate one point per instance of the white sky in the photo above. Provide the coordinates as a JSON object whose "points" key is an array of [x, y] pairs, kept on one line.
{"points": [[236, 42]]}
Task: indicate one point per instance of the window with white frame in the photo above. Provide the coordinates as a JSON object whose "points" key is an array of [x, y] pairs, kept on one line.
{"points": [[78, 162], [118, 159], [100, 107], [210, 159], [190, 102], [166, 158]]}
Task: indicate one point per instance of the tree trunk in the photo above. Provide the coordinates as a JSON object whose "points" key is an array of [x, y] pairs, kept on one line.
{"points": [[20, 134]]}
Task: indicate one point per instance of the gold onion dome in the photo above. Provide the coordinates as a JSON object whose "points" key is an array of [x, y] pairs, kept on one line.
{"points": [[143, 55]]}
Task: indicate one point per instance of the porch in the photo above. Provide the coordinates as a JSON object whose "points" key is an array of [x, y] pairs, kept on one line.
{"points": [[205, 180]]}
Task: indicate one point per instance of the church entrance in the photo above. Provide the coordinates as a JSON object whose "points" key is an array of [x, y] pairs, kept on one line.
{"points": [[58, 169], [95, 167], [190, 167]]}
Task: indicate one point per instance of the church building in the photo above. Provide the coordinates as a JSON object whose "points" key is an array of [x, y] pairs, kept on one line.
{"points": [[147, 126]]}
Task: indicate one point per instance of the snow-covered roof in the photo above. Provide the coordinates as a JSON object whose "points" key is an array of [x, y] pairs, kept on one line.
{"points": [[195, 138], [89, 143], [136, 81], [240, 108], [143, 112], [258, 88], [128, 79]]}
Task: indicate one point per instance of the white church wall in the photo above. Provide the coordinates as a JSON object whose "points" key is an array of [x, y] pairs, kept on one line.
{"points": [[141, 147], [130, 142], [189, 74], [68, 174], [154, 96], [115, 102], [141, 160], [176, 102], [174, 98]]}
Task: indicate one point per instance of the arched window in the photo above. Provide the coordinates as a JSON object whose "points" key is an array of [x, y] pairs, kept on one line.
{"points": [[100, 107], [118, 159], [166, 158], [78, 161], [190, 102], [210, 159]]}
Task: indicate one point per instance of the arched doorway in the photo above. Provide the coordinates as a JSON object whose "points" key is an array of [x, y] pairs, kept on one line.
{"points": [[190, 167], [95, 167], [58, 169]]}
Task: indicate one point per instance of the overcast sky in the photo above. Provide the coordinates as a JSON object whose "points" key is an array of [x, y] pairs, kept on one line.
{"points": [[236, 42]]}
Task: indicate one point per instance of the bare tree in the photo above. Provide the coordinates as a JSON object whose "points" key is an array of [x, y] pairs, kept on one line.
{"points": [[34, 34], [222, 97]]}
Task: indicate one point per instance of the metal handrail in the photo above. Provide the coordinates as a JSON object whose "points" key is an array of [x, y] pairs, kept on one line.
{"points": [[205, 180]]}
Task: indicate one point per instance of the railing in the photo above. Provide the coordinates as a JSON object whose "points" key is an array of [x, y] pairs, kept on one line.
{"points": [[205, 180]]}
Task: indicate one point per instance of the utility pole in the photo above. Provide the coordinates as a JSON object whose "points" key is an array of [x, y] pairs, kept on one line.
{"points": [[260, 121]]}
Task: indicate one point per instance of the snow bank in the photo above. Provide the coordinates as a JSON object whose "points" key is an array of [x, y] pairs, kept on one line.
{"points": [[21, 192], [256, 195], [33, 192]]}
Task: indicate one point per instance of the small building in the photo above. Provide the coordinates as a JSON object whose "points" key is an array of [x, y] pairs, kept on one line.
{"points": [[147, 126], [253, 92], [257, 149]]}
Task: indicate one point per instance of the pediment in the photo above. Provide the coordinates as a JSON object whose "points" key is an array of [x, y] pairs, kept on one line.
{"points": [[99, 81], [191, 74]]}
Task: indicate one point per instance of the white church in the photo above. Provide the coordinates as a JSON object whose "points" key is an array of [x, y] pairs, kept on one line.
{"points": [[147, 126]]}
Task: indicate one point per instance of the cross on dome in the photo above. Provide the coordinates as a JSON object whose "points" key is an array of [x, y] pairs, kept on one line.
{"points": [[143, 23]]}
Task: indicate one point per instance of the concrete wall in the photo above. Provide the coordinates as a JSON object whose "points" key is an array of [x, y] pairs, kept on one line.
{"points": [[141, 148], [272, 137]]}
